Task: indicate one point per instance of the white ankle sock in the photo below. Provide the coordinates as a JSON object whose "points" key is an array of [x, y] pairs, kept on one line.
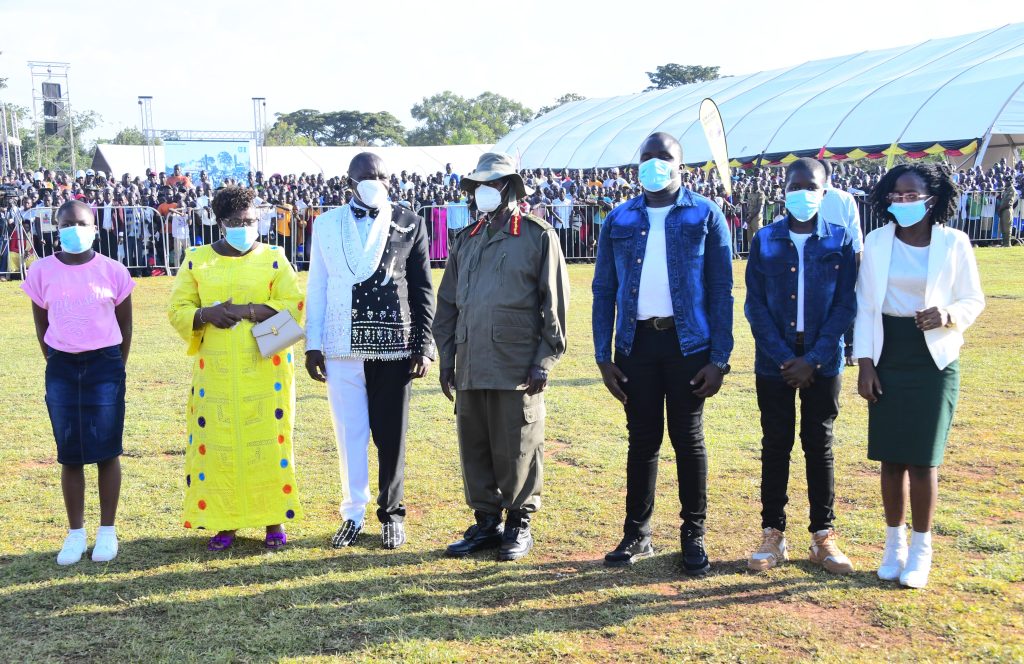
{"points": [[919, 561], [74, 547], [105, 548], [897, 534], [894, 557]]}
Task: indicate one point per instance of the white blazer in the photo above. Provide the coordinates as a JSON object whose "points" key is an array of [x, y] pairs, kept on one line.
{"points": [[953, 284]]}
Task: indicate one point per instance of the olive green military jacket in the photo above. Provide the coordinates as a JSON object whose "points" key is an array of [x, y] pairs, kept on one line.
{"points": [[501, 306]]}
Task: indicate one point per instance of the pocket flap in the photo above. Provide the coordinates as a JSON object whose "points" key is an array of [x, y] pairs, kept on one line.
{"points": [[511, 334]]}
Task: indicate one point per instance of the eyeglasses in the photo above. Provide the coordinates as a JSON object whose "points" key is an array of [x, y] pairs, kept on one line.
{"points": [[911, 197]]}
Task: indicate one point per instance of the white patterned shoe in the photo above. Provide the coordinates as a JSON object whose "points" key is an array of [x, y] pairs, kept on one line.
{"points": [[392, 535], [73, 549]]}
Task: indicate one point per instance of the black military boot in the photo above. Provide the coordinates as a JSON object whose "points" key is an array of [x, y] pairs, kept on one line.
{"points": [[484, 534], [517, 540]]}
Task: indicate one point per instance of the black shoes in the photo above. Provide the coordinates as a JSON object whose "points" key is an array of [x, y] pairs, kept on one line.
{"points": [[631, 549], [695, 558], [392, 534], [486, 533], [517, 540], [347, 534]]}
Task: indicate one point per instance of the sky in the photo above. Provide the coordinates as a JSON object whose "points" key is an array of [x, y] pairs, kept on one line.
{"points": [[203, 62]]}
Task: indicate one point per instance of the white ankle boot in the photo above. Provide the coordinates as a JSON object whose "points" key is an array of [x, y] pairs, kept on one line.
{"points": [[919, 561], [894, 558]]}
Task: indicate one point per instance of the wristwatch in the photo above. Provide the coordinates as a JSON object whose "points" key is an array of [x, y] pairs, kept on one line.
{"points": [[724, 367]]}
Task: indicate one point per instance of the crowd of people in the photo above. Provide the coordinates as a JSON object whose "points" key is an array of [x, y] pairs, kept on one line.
{"points": [[147, 221]]}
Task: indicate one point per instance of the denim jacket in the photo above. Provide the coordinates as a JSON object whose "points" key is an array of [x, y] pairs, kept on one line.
{"points": [[830, 302], [699, 275]]}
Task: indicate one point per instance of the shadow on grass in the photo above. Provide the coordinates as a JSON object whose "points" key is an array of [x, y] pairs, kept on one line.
{"points": [[261, 605]]}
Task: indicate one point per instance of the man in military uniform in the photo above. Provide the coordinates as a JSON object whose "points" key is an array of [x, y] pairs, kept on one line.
{"points": [[754, 212], [499, 329], [1006, 201]]}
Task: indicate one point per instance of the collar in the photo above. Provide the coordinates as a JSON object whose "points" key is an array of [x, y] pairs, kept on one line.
{"points": [[780, 229], [513, 226], [683, 199]]}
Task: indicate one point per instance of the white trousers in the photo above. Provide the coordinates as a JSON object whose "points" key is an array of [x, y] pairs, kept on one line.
{"points": [[346, 394]]}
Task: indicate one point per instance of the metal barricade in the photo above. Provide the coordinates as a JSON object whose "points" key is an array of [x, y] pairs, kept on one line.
{"points": [[133, 235]]}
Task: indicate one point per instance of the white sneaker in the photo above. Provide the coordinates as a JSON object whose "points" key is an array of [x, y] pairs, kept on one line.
{"points": [[73, 549], [105, 548], [894, 558], [919, 561]]}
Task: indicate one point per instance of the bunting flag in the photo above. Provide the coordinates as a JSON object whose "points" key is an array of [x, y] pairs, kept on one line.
{"points": [[960, 148]]}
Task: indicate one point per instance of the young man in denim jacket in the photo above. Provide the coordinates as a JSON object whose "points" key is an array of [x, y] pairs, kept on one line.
{"points": [[800, 279], [663, 283]]}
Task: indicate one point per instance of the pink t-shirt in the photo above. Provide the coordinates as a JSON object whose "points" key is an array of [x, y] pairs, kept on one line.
{"points": [[80, 301]]}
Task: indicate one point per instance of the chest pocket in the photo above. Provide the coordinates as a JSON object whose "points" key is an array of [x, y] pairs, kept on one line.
{"points": [[693, 237]]}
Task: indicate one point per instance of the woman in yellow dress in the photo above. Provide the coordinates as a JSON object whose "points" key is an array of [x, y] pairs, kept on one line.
{"points": [[239, 470]]}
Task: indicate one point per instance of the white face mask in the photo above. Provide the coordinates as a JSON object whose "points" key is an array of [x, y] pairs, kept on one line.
{"points": [[373, 193], [488, 199]]}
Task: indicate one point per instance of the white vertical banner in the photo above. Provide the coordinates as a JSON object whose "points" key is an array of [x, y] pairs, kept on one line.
{"points": [[714, 132]]}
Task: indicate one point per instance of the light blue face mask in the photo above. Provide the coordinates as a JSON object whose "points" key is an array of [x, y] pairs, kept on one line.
{"points": [[803, 204], [908, 214], [241, 238], [655, 174], [77, 239]]}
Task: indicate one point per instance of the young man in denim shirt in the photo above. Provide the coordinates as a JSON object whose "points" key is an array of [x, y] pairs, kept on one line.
{"points": [[663, 283], [800, 300]]}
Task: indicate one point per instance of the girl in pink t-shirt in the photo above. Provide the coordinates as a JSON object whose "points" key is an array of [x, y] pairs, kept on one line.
{"points": [[82, 306]]}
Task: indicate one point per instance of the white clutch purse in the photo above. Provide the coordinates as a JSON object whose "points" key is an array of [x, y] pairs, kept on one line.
{"points": [[278, 332]]}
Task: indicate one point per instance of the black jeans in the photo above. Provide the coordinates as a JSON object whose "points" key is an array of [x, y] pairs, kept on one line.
{"points": [[388, 387], [658, 382], [819, 406]]}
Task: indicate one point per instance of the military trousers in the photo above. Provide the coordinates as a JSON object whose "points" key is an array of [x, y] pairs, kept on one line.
{"points": [[1005, 227], [501, 447]]}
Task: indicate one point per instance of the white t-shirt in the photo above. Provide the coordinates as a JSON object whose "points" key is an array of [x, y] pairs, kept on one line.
{"points": [[655, 297], [799, 240], [839, 208], [908, 275]]}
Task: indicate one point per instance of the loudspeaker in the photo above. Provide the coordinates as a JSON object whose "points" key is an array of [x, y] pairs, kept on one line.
{"points": [[50, 127], [52, 109], [51, 91]]}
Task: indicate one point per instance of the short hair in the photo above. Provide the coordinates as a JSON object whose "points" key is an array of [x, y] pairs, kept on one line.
{"points": [[232, 200], [938, 181], [73, 205], [812, 166]]}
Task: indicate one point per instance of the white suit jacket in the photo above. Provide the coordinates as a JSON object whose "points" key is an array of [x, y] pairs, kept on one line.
{"points": [[953, 285]]}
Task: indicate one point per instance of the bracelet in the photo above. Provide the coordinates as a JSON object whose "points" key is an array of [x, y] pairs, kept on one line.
{"points": [[252, 313], [201, 321]]}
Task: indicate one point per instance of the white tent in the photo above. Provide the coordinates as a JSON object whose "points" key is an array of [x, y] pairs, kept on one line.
{"points": [[331, 161], [955, 96]]}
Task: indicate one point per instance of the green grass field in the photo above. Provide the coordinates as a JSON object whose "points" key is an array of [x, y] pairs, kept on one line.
{"points": [[165, 598]]}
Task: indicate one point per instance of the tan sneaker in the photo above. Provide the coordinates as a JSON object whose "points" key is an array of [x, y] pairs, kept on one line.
{"points": [[772, 552], [825, 552]]}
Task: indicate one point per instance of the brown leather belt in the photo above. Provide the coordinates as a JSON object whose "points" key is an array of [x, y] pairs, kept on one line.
{"points": [[659, 324]]}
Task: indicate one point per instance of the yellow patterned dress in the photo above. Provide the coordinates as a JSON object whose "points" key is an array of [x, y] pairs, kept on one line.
{"points": [[239, 470]]}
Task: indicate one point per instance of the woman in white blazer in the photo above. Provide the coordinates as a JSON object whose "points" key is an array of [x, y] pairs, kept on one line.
{"points": [[917, 292]]}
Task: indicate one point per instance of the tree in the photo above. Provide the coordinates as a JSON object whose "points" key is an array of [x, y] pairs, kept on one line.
{"points": [[129, 136], [449, 119], [561, 101], [341, 127], [283, 133], [672, 75], [55, 151]]}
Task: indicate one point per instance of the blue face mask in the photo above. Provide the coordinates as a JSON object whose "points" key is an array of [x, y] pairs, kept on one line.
{"points": [[908, 214], [77, 239], [803, 204], [241, 238], [655, 174]]}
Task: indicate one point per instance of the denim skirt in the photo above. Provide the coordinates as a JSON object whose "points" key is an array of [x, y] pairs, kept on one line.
{"points": [[85, 399]]}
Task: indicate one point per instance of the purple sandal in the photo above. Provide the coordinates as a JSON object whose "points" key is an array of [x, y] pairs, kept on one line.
{"points": [[219, 543], [275, 540]]}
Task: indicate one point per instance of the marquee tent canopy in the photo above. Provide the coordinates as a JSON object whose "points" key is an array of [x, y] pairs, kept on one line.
{"points": [[952, 96]]}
